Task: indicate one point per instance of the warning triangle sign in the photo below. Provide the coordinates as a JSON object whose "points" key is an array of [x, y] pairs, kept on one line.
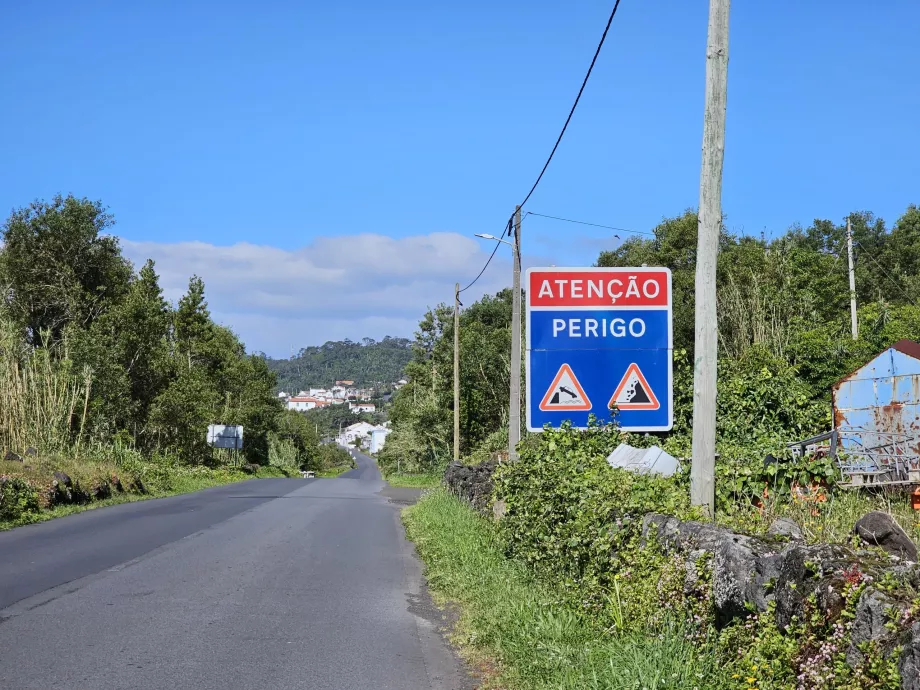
{"points": [[634, 393], [565, 393]]}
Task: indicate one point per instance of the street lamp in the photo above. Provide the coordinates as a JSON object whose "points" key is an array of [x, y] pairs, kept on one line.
{"points": [[497, 239], [514, 409]]}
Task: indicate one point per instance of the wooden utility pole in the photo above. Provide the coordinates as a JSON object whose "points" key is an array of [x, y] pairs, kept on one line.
{"points": [[514, 410], [854, 325], [706, 341], [457, 373]]}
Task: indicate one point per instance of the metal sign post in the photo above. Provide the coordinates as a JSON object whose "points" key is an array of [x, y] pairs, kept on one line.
{"points": [[599, 338]]}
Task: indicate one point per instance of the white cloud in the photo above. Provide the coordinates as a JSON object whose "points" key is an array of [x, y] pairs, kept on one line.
{"points": [[354, 286]]}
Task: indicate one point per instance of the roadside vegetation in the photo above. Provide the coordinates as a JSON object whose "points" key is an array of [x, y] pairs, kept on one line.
{"points": [[107, 389], [784, 335], [523, 632], [413, 481], [576, 581], [564, 590]]}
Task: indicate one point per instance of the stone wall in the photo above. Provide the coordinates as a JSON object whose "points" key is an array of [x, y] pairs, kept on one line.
{"points": [[473, 483]]}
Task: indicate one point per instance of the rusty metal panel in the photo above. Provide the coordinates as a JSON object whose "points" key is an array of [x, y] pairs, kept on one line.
{"points": [[878, 400]]}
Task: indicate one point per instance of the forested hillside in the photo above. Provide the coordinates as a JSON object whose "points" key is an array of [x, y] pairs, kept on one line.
{"points": [[366, 363], [784, 334]]}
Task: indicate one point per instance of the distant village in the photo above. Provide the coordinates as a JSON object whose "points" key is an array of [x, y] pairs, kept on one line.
{"points": [[362, 434]]}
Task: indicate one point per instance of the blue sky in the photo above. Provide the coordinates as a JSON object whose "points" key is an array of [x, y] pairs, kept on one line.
{"points": [[322, 165]]}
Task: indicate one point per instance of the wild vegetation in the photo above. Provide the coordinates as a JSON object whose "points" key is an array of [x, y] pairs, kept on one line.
{"points": [[784, 335], [105, 382], [368, 363], [577, 579], [568, 589]]}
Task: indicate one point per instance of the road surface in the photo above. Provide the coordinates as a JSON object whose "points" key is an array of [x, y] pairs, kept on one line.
{"points": [[271, 583]]}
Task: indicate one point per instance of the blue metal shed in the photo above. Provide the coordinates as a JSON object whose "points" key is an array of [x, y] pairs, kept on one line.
{"points": [[877, 413]]}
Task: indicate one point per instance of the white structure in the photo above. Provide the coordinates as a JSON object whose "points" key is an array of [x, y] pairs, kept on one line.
{"points": [[378, 438], [304, 403], [355, 431], [282, 394], [359, 407], [225, 436], [643, 460]]}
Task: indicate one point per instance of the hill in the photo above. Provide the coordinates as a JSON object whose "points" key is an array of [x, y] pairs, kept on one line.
{"points": [[365, 363]]}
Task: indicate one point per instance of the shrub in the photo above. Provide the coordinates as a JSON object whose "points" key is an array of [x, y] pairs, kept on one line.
{"points": [[567, 510], [17, 497]]}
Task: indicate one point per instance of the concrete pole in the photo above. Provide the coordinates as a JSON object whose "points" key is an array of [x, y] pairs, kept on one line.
{"points": [[706, 341], [457, 373], [514, 410], [854, 325]]}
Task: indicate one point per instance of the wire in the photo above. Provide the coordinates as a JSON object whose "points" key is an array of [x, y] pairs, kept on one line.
{"points": [[509, 228], [882, 268], [596, 225], [575, 104], [488, 261]]}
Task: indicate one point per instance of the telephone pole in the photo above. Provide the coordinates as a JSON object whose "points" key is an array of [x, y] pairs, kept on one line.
{"points": [[854, 325], [706, 340], [457, 373], [514, 411]]}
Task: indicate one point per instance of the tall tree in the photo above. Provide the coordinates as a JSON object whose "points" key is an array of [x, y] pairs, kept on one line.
{"points": [[59, 267]]}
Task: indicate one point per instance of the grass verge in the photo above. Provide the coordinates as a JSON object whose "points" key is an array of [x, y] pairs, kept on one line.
{"points": [[176, 485], [332, 472], [414, 481], [521, 625]]}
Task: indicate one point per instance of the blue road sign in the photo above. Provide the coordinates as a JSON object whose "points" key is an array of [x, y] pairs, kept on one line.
{"points": [[599, 339]]}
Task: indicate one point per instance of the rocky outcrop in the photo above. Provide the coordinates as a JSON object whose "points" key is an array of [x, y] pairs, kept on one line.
{"points": [[821, 570], [63, 479], [750, 572], [12, 457], [909, 663], [784, 527], [473, 483], [880, 529], [743, 567], [869, 625]]}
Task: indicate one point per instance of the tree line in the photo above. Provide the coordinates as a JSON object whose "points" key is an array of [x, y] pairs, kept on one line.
{"points": [[94, 356], [784, 337]]}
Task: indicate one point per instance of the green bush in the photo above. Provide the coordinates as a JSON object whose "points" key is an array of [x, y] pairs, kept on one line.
{"points": [[17, 497], [567, 509]]}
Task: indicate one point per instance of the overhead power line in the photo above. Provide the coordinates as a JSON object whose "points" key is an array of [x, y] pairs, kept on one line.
{"points": [[595, 225], [896, 283], [488, 261], [584, 83], [509, 228]]}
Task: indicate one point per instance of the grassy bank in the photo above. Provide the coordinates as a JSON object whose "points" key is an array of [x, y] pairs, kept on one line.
{"points": [[413, 481], [519, 627], [29, 491], [332, 472]]}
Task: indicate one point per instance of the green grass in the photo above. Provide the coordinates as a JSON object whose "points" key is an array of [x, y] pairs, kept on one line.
{"points": [[829, 521], [521, 625], [333, 471], [177, 485], [414, 481]]}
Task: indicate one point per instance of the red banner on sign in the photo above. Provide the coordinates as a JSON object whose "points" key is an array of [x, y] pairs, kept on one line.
{"points": [[598, 288]]}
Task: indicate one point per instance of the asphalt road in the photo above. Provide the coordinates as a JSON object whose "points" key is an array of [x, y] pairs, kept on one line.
{"points": [[273, 583]]}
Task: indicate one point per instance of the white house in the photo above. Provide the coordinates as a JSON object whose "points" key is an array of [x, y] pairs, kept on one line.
{"points": [[359, 407], [302, 403], [350, 433], [282, 394]]}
